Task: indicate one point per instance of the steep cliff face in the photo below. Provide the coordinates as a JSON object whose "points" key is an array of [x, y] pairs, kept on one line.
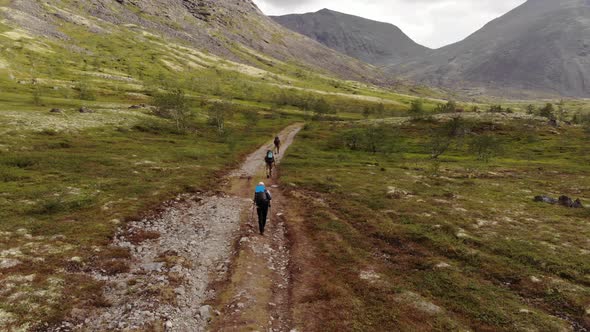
{"points": [[543, 45], [370, 41], [217, 26]]}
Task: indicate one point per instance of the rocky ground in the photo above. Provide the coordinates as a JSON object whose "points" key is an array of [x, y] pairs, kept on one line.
{"points": [[183, 252]]}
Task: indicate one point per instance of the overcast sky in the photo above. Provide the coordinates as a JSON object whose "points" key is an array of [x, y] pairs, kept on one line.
{"points": [[433, 23]]}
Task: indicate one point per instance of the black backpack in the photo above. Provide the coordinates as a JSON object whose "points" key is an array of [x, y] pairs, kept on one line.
{"points": [[270, 157], [261, 199]]}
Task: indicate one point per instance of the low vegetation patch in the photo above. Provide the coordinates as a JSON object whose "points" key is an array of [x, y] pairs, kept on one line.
{"points": [[463, 247]]}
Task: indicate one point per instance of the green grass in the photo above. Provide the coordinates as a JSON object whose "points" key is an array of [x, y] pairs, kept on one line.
{"points": [[76, 183], [69, 181], [477, 217]]}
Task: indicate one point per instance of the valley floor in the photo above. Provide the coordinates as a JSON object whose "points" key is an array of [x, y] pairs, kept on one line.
{"points": [[183, 255]]}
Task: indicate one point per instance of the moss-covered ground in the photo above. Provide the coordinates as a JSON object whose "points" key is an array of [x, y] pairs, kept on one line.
{"points": [[404, 242]]}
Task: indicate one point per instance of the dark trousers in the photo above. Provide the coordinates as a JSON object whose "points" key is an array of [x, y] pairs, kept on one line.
{"points": [[262, 214]]}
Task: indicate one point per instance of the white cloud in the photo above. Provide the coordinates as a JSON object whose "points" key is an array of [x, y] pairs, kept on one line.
{"points": [[433, 23]]}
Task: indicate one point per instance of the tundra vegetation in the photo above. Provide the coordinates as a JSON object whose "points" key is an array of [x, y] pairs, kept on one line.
{"points": [[466, 248], [137, 119]]}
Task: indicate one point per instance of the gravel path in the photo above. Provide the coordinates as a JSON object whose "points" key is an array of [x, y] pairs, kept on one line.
{"points": [[177, 257]]}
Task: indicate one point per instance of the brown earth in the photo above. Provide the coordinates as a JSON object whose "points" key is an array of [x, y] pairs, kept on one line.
{"points": [[200, 249]]}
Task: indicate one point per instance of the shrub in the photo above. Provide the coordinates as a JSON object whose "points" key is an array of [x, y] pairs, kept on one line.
{"points": [[417, 108], [36, 95], [548, 111], [456, 127], [449, 107], [485, 147], [218, 113], [438, 144], [252, 117], [373, 139], [320, 107], [367, 112], [531, 109], [496, 109], [173, 105], [85, 91]]}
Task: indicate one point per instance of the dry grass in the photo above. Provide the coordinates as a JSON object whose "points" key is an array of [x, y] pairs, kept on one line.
{"points": [[138, 236]]}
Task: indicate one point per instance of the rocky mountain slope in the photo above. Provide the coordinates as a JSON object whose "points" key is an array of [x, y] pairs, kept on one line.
{"points": [[370, 41], [233, 29], [543, 45]]}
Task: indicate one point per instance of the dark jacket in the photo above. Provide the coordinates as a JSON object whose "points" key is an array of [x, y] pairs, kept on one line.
{"points": [[262, 197]]}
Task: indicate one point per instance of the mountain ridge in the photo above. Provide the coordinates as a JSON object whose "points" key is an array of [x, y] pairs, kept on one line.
{"points": [[374, 42], [216, 26], [540, 46]]}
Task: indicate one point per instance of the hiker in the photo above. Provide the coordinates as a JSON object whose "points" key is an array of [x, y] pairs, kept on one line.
{"points": [[278, 144], [262, 200], [269, 159]]}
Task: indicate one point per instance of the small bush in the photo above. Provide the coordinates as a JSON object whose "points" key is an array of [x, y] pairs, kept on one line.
{"points": [[36, 95], [375, 139], [49, 132], [417, 108], [85, 91], [485, 147], [219, 113], [531, 109], [438, 144], [114, 267], [548, 111], [252, 117], [21, 162], [449, 107], [496, 109], [140, 236], [174, 105]]}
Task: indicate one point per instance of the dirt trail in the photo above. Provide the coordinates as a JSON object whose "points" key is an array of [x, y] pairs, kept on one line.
{"points": [[189, 247], [257, 296]]}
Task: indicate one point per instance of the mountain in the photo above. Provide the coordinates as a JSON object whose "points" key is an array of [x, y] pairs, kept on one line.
{"points": [[542, 46], [226, 28], [370, 41]]}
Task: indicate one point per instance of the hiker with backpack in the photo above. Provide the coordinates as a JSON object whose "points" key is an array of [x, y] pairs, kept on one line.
{"points": [[278, 144], [262, 199], [269, 159]]}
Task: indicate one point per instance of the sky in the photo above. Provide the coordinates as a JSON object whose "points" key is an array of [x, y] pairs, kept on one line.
{"points": [[432, 23]]}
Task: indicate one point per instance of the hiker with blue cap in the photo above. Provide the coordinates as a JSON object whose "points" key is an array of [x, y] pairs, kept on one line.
{"points": [[262, 200]]}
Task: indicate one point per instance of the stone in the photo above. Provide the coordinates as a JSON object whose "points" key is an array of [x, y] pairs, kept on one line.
{"points": [[8, 263], [396, 193], [442, 265], [56, 110], [76, 259], [563, 200], [462, 234], [86, 110], [545, 199], [169, 324], [420, 303], [205, 312], [570, 203], [152, 267], [535, 280]]}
